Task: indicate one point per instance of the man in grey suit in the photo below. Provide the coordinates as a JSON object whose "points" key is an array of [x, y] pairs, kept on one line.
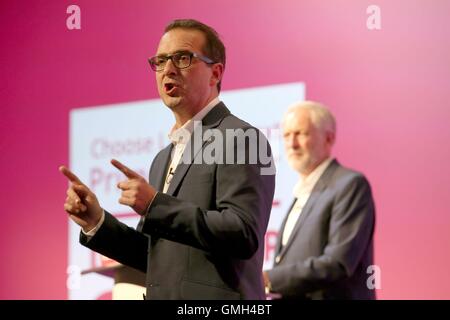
{"points": [[325, 245], [206, 207]]}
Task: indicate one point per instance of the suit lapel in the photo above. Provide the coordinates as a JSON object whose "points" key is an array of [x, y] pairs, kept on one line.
{"points": [[161, 167], [283, 225], [158, 177], [309, 205], [196, 143]]}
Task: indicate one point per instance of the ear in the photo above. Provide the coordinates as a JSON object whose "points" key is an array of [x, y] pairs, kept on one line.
{"points": [[330, 138], [217, 72]]}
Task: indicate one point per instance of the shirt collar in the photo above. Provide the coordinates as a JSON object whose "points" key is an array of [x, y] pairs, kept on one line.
{"points": [[307, 184], [183, 134]]}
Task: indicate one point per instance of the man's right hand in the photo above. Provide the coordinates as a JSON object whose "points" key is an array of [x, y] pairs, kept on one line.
{"points": [[81, 203]]}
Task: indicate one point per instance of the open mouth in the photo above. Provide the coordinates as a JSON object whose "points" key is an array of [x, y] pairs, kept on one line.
{"points": [[169, 88]]}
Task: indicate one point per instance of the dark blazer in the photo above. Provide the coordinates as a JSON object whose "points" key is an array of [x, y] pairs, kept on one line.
{"points": [[331, 246], [204, 238]]}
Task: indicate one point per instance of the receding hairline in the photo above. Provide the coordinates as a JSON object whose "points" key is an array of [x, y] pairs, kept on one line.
{"points": [[320, 115], [189, 30]]}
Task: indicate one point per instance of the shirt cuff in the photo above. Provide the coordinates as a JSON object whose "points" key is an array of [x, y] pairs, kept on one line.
{"points": [[150, 204], [93, 231]]}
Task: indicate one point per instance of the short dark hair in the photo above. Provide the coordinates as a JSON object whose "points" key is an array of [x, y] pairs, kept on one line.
{"points": [[214, 47]]}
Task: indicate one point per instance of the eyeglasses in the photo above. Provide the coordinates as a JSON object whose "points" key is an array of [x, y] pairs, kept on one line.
{"points": [[180, 60]]}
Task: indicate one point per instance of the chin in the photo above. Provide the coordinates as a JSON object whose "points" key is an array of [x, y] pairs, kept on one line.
{"points": [[172, 102], [301, 166], [296, 165]]}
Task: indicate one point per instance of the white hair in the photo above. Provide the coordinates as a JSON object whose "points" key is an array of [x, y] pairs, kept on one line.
{"points": [[321, 116]]}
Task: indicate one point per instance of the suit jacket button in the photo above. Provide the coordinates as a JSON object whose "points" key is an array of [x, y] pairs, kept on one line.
{"points": [[277, 259]]}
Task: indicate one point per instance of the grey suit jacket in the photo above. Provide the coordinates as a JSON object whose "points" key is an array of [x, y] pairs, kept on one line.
{"points": [[331, 245], [204, 238]]}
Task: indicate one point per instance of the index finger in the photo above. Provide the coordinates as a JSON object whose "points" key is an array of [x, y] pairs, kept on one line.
{"points": [[130, 174], [70, 175]]}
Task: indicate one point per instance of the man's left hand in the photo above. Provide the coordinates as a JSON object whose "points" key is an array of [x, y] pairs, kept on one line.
{"points": [[136, 192]]}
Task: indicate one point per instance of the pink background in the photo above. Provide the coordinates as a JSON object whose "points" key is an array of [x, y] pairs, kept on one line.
{"points": [[389, 90]]}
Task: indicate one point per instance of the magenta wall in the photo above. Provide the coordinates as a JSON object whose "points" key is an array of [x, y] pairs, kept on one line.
{"points": [[389, 90]]}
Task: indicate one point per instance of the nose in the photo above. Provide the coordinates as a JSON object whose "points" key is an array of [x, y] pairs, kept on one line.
{"points": [[169, 68], [291, 141]]}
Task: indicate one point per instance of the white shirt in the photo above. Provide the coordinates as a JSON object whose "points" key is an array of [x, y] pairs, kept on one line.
{"points": [[302, 192], [179, 138]]}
